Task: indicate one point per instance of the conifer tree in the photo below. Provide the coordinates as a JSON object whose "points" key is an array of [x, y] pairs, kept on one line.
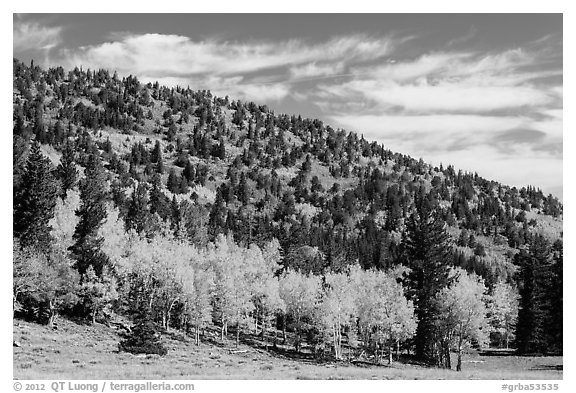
{"points": [[156, 153], [34, 204], [539, 327], [427, 250], [66, 170], [144, 337], [158, 201], [189, 172], [92, 214], [173, 185], [138, 215]]}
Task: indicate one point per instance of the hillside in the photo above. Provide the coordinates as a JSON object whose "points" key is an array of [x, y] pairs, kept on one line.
{"points": [[178, 209], [308, 183]]}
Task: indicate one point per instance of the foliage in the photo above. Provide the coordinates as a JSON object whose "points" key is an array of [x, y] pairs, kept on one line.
{"points": [[301, 294], [35, 201], [462, 314], [503, 313]]}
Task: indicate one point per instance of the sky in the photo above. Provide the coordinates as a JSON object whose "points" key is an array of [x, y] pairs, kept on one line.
{"points": [[483, 92]]}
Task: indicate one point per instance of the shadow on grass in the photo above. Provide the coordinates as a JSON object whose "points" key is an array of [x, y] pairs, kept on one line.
{"points": [[548, 367], [513, 352]]}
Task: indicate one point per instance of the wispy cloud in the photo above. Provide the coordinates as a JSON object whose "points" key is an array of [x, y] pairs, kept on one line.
{"points": [[314, 69], [32, 35], [159, 54], [425, 96]]}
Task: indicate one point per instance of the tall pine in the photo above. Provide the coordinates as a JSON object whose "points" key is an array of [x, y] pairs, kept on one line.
{"points": [[427, 251], [539, 327], [35, 201], [92, 213], [66, 170]]}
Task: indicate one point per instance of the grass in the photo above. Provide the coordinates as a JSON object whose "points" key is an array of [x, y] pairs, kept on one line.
{"points": [[76, 351]]}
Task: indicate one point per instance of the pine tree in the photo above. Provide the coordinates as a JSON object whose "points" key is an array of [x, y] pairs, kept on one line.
{"points": [[144, 337], [156, 153], [189, 172], [556, 296], [183, 185], [66, 170], [34, 204], [138, 215], [539, 327], [221, 151], [92, 214], [173, 185], [427, 250], [158, 201]]}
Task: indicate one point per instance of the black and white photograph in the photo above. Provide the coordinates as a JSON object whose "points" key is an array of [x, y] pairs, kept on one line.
{"points": [[287, 196]]}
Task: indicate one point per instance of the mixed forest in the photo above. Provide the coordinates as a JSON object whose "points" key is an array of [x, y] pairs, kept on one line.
{"points": [[178, 210]]}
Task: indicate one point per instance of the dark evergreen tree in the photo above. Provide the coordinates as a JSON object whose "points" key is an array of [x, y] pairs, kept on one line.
{"points": [[92, 213], [160, 165], [159, 203], [189, 172], [173, 185], [67, 172], [539, 327], [34, 203], [138, 215], [183, 186], [427, 250], [144, 337], [218, 215], [156, 153]]}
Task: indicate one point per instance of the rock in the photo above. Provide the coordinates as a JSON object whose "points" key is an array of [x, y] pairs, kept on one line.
{"points": [[16, 344]]}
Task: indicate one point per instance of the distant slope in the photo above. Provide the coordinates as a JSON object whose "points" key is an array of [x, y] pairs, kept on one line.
{"points": [[239, 167]]}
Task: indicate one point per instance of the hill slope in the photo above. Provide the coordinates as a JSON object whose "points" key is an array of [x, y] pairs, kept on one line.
{"points": [[185, 210]]}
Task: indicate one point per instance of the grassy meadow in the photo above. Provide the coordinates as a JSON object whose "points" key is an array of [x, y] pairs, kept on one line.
{"points": [[75, 351]]}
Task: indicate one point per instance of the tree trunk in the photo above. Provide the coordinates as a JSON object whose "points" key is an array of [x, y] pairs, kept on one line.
{"points": [[264, 325], [237, 334], [256, 320], [51, 313], [94, 317], [448, 361], [459, 364], [284, 329], [14, 300], [397, 350]]}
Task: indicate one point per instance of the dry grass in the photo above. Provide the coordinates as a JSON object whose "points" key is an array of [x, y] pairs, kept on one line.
{"points": [[91, 352]]}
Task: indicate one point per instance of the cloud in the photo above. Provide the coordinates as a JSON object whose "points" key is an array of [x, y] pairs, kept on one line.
{"points": [[314, 69], [424, 96], [429, 131], [520, 136], [448, 82], [32, 35], [175, 55]]}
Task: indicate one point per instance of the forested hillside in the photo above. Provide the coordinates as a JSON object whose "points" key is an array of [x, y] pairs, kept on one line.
{"points": [[180, 209]]}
